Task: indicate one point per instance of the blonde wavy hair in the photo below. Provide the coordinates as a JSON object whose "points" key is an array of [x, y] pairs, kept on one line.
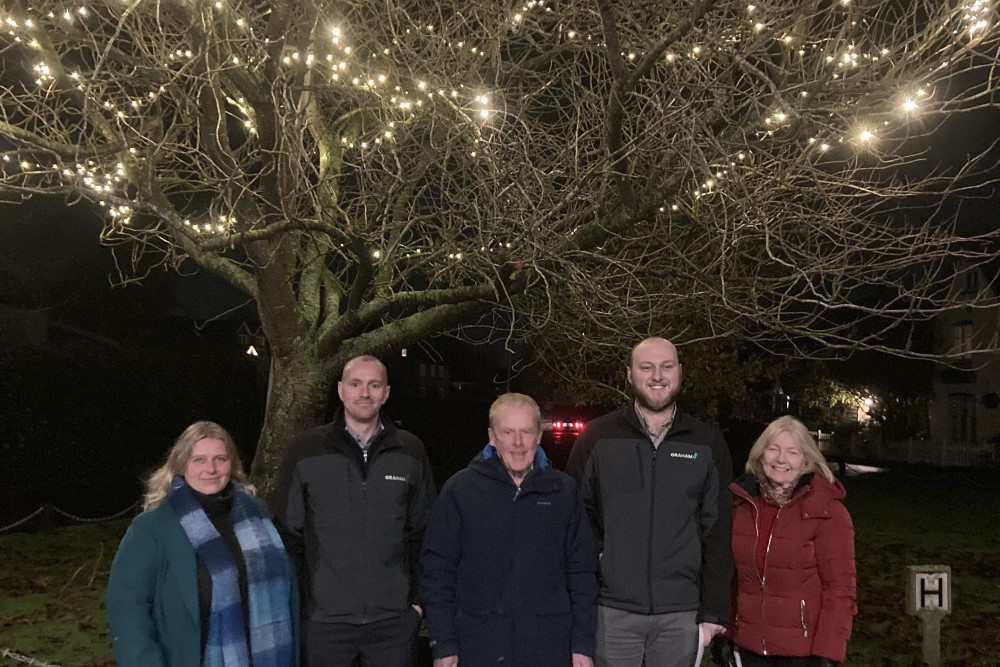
{"points": [[814, 459], [158, 483]]}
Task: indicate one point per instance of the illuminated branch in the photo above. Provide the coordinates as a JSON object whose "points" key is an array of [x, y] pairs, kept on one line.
{"points": [[592, 171]]}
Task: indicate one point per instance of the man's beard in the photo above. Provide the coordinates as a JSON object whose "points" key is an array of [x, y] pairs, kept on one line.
{"points": [[651, 405]]}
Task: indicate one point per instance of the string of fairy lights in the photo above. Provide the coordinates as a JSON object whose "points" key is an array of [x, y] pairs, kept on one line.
{"points": [[375, 73]]}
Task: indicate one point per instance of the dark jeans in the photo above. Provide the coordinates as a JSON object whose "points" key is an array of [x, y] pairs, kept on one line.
{"points": [[750, 659], [389, 643]]}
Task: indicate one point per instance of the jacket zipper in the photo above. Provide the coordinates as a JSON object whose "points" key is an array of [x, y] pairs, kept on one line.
{"points": [[365, 468], [652, 522], [760, 576], [763, 575], [804, 617]]}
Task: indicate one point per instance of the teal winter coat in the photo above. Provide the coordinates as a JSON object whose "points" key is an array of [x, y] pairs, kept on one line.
{"points": [[152, 596]]}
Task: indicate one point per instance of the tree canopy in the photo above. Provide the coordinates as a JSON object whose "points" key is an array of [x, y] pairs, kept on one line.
{"points": [[591, 171]]}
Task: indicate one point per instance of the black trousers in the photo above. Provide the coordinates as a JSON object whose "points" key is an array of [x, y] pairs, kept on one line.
{"points": [[389, 643], [750, 659]]}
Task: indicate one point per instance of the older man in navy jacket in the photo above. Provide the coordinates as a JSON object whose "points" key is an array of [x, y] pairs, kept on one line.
{"points": [[509, 560]]}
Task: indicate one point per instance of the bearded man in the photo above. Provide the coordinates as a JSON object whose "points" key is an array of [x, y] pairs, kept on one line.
{"points": [[655, 484]]}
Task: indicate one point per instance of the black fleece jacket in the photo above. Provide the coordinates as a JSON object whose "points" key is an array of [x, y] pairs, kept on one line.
{"points": [[353, 528], [661, 516]]}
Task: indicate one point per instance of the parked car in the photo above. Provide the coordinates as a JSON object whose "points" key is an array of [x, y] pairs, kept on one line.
{"points": [[560, 429]]}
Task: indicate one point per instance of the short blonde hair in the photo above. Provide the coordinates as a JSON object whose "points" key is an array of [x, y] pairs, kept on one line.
{"points": [[814, 459], [513, 399], [158, 483]]}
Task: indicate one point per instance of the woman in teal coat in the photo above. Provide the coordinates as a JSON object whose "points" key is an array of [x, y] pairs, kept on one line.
{"points": [[201, 578]]}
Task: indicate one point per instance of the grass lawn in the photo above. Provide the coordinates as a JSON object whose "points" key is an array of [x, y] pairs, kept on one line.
{"points": [[927, 518], [52, 593], [52, 582]]}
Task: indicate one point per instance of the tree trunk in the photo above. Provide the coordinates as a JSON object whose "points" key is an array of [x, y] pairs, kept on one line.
{"points": [[297, 400]]}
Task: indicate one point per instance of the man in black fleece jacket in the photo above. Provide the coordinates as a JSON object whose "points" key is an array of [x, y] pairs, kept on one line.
{"points": [[655, 483], [351, 504]]}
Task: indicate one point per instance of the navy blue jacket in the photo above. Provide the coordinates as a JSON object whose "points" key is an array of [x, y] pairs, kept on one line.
{"points": [[510, 576]]}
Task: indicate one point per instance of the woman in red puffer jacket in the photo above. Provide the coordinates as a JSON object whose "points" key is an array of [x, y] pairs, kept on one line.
{"points": [[793, 547]]}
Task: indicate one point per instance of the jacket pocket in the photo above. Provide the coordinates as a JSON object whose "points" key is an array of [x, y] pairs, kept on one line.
{"points": [[804, 618]]}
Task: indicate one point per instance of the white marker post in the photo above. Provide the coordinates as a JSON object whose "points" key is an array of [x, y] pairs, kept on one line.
{"points": [[928, 597]]}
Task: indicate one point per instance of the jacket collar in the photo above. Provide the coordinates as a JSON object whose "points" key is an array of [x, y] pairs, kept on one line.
{"points": [[680, 424], [341, 438], [541, 460], [813, 492], [539, 480], [750, 485]]}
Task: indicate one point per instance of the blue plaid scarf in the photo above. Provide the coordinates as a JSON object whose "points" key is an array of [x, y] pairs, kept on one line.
{"points": [[269, 575]]}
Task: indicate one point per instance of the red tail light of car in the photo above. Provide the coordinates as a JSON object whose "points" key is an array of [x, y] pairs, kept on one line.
{"points": [[563, 425]]}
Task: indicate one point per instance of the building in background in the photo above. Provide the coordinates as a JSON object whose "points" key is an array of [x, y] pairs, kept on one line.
{"points": [[965, 408]]}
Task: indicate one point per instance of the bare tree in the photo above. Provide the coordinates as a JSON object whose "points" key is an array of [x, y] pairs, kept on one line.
{"points": [[373, 172]]}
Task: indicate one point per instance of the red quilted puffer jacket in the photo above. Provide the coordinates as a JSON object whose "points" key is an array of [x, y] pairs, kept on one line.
{"points": [[803, 602]]}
